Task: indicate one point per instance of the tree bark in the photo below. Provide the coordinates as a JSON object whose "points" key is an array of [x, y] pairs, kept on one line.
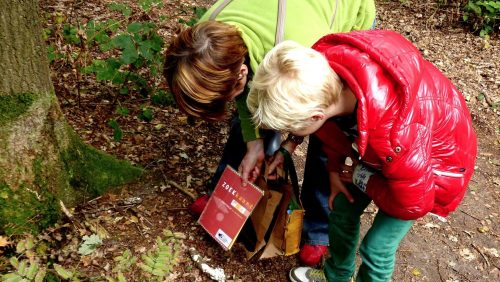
{"points": [[41, 158]]}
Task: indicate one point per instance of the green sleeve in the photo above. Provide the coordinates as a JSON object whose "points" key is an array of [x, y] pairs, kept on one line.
{"points": [[248, 129]]}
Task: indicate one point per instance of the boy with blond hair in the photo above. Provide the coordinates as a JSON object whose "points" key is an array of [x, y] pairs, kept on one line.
{"points": [[371, 98]]}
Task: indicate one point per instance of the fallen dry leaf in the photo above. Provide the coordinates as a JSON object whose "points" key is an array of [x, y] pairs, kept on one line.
{"points": [[4, 241]]}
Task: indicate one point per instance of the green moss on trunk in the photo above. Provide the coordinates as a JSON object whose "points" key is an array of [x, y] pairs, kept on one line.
{"points": [[81, 173], [12, 106], [92, 172], [26, 211]]}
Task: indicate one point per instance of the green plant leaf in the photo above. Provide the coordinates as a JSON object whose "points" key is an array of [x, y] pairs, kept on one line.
{"points": [[129, 55], [158, 272], [146, 5], [119, 77], [40, 275], [32, 269], [63, 273], [70, 34], [104, 47], [46, 32], [199, 12], [148, 261], [162, 98], [104, 70], [122, 8], [90, 243], [121, 277], [112, 25], [21, 247], [146, 115], [156, 43], [146, 52], [22, 267], [123, 41], [134, 27], [124, 91], [11, 277], [473, 7], [14, 262], [117, 131]]}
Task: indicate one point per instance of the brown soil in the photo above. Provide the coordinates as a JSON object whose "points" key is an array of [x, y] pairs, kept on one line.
{"points": [[171, 148]]}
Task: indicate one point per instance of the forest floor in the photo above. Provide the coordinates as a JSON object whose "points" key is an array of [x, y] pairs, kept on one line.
{"points": [[177, 152]]}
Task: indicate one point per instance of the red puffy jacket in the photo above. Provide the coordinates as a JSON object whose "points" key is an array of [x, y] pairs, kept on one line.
{"points": [[413, 124]]}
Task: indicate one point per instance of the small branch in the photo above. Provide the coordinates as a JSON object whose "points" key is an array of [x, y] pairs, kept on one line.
{"points": [[65, 210], [177, 209], [439, 271], [488, 100], [481, 253], [184, 190], [76, 224], [462, 275], [470, 215]]}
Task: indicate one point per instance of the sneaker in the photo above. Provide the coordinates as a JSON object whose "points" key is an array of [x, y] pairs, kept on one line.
{"points": [[311, 255], [199, 205], [307, 274]]}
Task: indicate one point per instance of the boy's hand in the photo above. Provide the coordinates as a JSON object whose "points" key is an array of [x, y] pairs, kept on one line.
{"points": [[252, 162], [336, 186], [278, 159], [348, 169], [276, 162]]}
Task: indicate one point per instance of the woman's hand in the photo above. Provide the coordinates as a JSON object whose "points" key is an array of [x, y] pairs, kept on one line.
{"points": [[336, 187], [252, 162]]}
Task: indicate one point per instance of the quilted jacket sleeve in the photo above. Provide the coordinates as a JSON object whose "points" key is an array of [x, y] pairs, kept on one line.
{"points": [[405, 186]]}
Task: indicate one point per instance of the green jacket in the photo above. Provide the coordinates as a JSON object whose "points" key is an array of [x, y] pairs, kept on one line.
{"points": [[305, 22]]}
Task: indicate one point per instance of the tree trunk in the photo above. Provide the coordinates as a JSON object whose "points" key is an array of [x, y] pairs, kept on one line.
{"points": [[42, 160]]}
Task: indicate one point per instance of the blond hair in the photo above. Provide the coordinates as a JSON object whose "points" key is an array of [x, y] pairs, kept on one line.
{"points": [[290, 85], [202, 66]]}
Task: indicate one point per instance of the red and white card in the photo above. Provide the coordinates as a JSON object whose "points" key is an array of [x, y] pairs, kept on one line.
{"points": [[229, 207]]}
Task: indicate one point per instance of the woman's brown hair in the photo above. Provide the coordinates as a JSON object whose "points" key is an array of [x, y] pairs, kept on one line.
{"points": [[202, 66]]}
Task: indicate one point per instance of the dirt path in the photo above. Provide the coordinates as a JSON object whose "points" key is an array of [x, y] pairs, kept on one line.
{"points": [[465, 248]]}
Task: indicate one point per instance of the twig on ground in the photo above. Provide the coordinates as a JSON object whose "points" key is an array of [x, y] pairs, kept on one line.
{"points": [[439, 271], [488, 100], [462, 275], [481, 253], [76, 224], [216, 274], [183, 190], [65, 210], [177, 209], [470, 215]]}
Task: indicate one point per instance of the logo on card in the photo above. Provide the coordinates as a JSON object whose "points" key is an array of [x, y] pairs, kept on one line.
{"points": [[223, 238]]}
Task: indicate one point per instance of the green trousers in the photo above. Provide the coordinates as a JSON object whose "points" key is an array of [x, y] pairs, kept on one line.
{"points": [[378, 248]]}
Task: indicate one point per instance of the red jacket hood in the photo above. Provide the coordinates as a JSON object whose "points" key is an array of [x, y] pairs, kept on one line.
{"points": [[359, 57]]}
